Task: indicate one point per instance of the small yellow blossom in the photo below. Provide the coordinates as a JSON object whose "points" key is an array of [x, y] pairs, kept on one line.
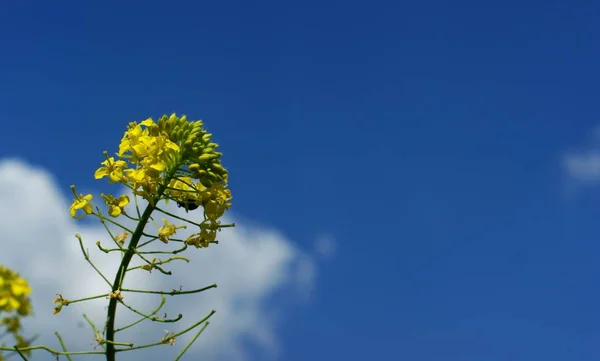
{"points": [[207, 235], [81, 202], [61, 302], [121, 237], [116, 206], [14, 292], [112, 169], [116, 294], [168, 338], [166, 231], [151, 266]]}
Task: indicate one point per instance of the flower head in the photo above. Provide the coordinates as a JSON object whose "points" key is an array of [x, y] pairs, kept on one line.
{"points": [[14, 292], [166, 231], [112, 169], [116, 206]]}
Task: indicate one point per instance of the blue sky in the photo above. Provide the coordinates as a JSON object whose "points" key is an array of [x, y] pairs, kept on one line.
{"points": [[429, 138]]}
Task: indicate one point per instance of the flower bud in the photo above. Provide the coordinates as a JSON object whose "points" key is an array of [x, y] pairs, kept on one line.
{"points": [[206, 182]]}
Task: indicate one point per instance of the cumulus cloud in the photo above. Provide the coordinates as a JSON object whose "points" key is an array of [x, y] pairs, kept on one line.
{"points": [[249, 265]]}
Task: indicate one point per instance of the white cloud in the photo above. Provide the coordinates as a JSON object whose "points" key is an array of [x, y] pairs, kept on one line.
{"points": [[583, 166], [326, 246], [249, 265]]}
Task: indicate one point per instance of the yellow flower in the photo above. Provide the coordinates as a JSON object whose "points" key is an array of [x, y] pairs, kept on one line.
{"points": [[217, 201], [132, 142], [121, 237], [81, 202], [166, 231], [61, 302], [207, 235], [8, 302], [116, 206], [138, 175], [14, 292], [112, 169], [19, 287]]}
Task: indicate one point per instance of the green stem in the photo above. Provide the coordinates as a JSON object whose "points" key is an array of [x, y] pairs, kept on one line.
{"points": [[62, 344], [153, 318], [191, 341], [172, 293], [174, 335], [119, 278], [162, 303]]}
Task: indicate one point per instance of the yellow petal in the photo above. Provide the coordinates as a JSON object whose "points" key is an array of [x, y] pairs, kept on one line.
{"points": [[114, 211], [101, 172], [123, 201]]}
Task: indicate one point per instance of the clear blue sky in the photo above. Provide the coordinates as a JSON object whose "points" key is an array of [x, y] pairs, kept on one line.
{"points": [[426, 136]]}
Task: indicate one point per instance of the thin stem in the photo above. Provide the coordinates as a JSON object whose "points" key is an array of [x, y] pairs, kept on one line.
{"points": [[185, 246], [192, 341], [174, 335], [85, 299], [103, 219], [94, 329], [87, 258], [151, 318], [21, 354], [171, 293], [52, 351], [62, 344], [137, 207], [154, 312], [177, 217]]}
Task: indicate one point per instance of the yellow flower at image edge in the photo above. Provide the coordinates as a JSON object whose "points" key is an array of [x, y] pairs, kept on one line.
{"points": [[81, 202], [13, 292]]}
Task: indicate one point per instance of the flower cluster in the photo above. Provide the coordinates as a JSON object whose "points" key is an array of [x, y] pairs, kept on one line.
{"points": [[14, 292], [172, 159], [15, 303]]}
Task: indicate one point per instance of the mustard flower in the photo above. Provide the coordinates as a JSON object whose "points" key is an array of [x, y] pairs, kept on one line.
{"points": [[14, 292], [166, 231], [81, 202], [116, 206], [112, 169]]}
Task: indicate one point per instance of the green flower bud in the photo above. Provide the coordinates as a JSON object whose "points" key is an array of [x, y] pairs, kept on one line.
{"points": [[206, 182], [218, 168], [185, 134]]}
